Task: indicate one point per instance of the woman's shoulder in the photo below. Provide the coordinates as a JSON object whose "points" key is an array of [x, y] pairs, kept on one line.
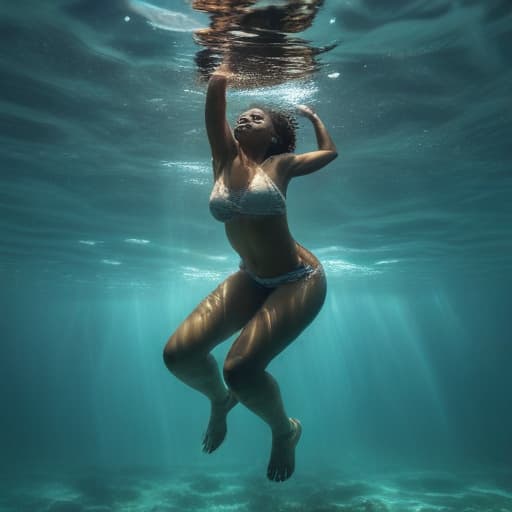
{"points": [[279, 158], [278, 162]]}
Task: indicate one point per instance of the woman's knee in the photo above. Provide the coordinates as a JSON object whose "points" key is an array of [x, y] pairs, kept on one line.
{"points": [[177, 352], [240, 371], [171, 353]]}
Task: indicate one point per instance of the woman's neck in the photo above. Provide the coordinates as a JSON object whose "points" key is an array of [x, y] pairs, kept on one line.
{"points": [[256, 155]]}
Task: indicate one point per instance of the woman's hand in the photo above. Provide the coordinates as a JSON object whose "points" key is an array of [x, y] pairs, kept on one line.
{"points": [[323, 138], [225, 72], [305, 111]]}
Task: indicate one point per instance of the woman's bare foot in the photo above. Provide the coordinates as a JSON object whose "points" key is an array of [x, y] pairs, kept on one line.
{"points": [[217, 427], [282, 458]]}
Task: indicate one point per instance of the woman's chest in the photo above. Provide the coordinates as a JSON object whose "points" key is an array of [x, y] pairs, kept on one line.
{"points": [[242, 176]]}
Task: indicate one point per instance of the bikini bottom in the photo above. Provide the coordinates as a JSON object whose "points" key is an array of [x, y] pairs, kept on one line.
{"points": [[301, 271]]}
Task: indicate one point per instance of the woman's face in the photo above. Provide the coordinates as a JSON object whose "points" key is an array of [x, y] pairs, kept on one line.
{"points": [[254, 126]]}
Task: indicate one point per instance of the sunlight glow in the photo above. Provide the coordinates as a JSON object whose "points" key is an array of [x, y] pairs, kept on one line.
{"points": [[89, 242], [338, 266], [386, 262], [192, 273], [111, 262], [137, 241], [197, 167], [291, 94], [164, 19]]}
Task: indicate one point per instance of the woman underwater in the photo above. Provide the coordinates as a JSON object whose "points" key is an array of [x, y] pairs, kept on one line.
{"points": [[280, 286]]}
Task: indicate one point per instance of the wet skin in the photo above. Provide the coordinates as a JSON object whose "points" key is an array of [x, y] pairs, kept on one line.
{"points": [[268, 319]]}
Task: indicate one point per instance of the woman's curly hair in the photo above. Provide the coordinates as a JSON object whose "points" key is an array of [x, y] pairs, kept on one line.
{"points": [[285, 126]]}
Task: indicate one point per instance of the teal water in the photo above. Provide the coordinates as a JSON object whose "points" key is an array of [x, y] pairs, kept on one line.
{"points": [[402, 383]]}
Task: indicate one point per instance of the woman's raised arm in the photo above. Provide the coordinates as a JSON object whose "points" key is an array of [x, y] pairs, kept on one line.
{"points": [[307, 163], [220, 136]]}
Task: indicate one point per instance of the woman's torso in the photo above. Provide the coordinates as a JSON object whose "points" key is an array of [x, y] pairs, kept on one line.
{"points": [[264, 242]]}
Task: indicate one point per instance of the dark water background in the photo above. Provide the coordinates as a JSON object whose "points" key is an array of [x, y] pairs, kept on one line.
{"points": [[403, 383]]}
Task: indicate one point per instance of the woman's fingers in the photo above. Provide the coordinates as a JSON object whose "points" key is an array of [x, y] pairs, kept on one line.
{"points": [[304, 110]]}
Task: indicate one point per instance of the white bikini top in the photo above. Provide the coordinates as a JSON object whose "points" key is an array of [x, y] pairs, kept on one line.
{"points": [[261, 197]]}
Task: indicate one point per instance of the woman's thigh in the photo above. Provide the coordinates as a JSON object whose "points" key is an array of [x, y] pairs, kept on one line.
{"points": [[219, 315], [281, 318]]}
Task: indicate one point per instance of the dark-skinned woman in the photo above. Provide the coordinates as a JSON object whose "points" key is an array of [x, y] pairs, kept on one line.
{"points": [[280, 286]]}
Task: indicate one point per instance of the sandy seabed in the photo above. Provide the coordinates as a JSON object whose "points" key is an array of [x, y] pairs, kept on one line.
{"points": [[242, 490]]}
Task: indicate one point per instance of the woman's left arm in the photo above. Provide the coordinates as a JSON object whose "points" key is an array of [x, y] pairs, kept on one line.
{"points": [[306, 163]]}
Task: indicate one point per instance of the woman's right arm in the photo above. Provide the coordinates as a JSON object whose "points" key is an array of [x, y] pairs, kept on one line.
{"points": [[306, 163], [220, 136]]}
